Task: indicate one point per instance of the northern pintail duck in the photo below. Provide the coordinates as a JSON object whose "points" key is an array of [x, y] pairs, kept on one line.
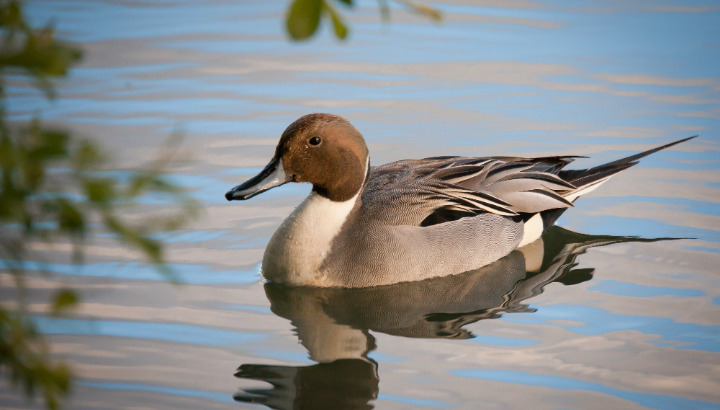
{"points": [[407, 220]]}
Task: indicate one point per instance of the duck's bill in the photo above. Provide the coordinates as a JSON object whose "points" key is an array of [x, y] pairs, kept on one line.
{"points": [[273, 175]]}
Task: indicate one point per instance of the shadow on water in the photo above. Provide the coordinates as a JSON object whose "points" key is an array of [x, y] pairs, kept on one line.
{"points": [[334, 324]]}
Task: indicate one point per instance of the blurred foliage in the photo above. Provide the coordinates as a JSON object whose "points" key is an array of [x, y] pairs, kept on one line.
{"points": [[303, 16], [56, 188]]}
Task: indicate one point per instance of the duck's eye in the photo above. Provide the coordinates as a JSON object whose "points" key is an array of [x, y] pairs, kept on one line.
{"points": [[315, 141]]}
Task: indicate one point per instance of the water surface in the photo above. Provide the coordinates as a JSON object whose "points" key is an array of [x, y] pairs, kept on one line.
{"points": [[598, 320]]}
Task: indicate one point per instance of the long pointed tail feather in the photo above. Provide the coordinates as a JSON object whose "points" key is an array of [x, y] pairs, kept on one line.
{"points": [[588, 179], [636, 157]]}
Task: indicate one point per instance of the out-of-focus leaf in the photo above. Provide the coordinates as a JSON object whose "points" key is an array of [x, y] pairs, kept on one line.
{"points": [[151, 247], [100, 190], [42, 54], [86, 155], [303, 18], [145, 181], [63, 300], [52, 144], [36, 52], [70, 217], [339, 26], [384, 10], [10, 14], [426, 11], [24, 354], [33, 171]]}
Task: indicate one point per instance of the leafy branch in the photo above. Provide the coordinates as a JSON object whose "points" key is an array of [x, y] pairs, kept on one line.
{"points": [[55, 187], [303, 16]]}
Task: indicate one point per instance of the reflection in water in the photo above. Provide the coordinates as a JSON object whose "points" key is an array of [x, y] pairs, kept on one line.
{"points": [[342, 384], [333, 324]]}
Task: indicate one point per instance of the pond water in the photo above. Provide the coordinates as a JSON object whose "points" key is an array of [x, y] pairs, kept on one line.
{"points": [[611, 316]]}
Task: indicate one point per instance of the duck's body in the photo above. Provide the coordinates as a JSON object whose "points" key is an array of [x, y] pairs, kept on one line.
{"points": [[408, 220]]}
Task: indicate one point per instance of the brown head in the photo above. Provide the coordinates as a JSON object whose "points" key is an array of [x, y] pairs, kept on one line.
{"points": [[322, 149]]}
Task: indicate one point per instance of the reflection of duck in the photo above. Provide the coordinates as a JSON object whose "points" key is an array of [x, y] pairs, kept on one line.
{"points": [[342, 384], [408, 220], [334, 324]]}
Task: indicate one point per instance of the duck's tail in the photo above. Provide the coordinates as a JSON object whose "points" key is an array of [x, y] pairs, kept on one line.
{"points": [[586, 180]]}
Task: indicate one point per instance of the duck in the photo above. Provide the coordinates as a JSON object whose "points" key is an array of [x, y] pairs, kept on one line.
{"points": [[408, 220]]}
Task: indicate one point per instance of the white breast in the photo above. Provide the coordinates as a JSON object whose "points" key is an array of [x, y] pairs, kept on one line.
{"points": [[301, 243]]}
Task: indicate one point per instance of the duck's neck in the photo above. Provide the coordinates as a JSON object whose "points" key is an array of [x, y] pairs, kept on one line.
{"points": [[301, 243]]}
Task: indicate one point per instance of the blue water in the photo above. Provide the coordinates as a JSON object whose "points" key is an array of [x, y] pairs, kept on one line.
{"points": [[635, 324], [657, 401]]}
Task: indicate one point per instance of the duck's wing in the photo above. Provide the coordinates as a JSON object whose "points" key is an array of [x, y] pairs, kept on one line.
{"points": [[526, 185], [441, 189]]}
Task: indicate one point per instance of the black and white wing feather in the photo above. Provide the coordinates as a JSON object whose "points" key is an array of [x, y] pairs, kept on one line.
{"points": [[441, 189]]}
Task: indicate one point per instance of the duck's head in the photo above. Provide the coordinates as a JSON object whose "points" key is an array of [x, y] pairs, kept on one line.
{"points": [[322, 149]]}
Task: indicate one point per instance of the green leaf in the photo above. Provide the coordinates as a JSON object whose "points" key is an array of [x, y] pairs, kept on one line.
{"points": [[100, 190], [53, 144], [10, 14], [86, 156], [340, 27], [347, 2], [70, 217], [42, 55], [303, 18], [152, 248], [63, 300]]}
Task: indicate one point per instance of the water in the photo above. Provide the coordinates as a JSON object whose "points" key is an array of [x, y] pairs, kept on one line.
{"points": [[603, 321]]}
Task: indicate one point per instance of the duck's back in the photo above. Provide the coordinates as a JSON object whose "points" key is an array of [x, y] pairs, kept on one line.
{"points": [[391, 238], [443, 189]]}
